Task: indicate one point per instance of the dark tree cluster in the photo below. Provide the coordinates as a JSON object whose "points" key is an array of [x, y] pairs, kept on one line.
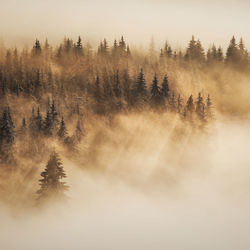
{"points": [[236, 55]]}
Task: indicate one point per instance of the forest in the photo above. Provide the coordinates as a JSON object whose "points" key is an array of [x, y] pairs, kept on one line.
{"points": [[66, 101]]}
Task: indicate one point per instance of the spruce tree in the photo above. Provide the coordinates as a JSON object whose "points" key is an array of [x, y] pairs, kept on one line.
{"points": [[39, 121], [140, 89], [6, 128], [117, 86], [165, 87], [172, 102], [179, 104], [200, 107], [54, 116], [51, 184], [155, 92], [209, 112], [232, 55], [79, 47], [37, 50], [48, 123], [190, 106], [62, 132]]}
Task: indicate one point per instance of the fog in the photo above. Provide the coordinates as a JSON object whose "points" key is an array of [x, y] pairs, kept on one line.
{"points": [[213, 22], [146, 170], [152, 191]]}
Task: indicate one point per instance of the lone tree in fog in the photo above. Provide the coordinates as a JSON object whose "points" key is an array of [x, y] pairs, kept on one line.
{"points": [[51, 184]]}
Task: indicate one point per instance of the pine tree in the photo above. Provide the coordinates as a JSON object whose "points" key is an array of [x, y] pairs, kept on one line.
{"points": [[37, 50], [126, 87], [189, 109], [78, 132], [97, 90], [179, 104], [115, 49], [62, 132], [140, 89], [23, 129], [54, 116], [232, 55], [155, 92], [220, 56], [243, 56], [48, 123], [172, 102], [117, 86], [209, 112], [141, 84], [195, 51], [6, 128], [39, 121], [32, 122], [79, 47], [24, 123], [51, 185], [165, 87], [200, 107], [128, 52]]}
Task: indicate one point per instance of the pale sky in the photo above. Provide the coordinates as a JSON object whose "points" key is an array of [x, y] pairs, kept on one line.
{"points": [[21, 21]]}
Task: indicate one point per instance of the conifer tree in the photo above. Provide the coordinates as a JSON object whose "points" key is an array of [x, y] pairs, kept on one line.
{"points": [[155, 92], [23, 129], [48, 123], [79, 47], [220, 56], [128, 52], [32, 122], [51, 184], [117, 86], [179, 104], [200, 107], [39, 121], [78, 132], [232, 55], [6, 128], [172, 102], [140, 89], [165, 87], [54, 116], [62, 132], [209, 113], [37, 50], [189, 109]]}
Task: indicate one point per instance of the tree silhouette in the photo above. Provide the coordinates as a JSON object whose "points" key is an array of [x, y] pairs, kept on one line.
{"points": [[51, 185], [155, 92], [62, 132]]}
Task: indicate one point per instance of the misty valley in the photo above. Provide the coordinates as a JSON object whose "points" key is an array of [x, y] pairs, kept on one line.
{"points": [[138, 143]]}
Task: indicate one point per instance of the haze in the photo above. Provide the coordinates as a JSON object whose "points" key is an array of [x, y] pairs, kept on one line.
{"points": [[22, 21]]}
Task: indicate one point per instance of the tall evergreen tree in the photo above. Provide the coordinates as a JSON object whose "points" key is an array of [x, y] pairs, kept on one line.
{"points": [[200, 107], [155, 92], [51, 184], [6, 128], [165, 87], [232, 55], [79, 47], [62, 132], [39, 121], [140, 89], [189, 109], [37, 50]]}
